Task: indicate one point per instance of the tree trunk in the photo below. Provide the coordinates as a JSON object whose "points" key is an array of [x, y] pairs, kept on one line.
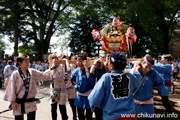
{"points": [[165, 41], [16, 34], [41, 46], [16, 30]]}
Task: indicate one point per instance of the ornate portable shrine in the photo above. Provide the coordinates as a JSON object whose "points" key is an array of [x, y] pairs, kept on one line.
{"points": [[116, 37]]}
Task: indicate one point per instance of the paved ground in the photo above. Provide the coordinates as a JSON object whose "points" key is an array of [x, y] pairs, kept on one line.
{"points": [[43, 112], [174, 100]]}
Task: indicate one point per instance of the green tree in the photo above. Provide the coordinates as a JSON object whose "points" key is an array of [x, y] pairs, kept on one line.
{"points": [[62, 42], [86, 19], [11, 18], [154, 20], [3, 45], [26, 49], [41, 19], [46, 18], [158, 19]]}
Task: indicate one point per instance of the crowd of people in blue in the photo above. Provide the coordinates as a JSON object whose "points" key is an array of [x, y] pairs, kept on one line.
{"points": [[113, 89]]}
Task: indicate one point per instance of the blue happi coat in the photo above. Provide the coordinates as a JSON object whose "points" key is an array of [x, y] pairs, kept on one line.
{"points": [[113, 93], [166, 72], [145, 92], [83, 84]]}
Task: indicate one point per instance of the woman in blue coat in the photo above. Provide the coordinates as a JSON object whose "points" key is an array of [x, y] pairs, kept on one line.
{"points": [[143, 96], [83, 82], [165, 70]]}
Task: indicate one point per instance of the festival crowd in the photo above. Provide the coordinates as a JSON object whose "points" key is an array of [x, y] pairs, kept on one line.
{"points": [[113, 88]]}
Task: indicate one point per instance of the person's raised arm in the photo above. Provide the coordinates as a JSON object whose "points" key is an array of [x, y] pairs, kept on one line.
{"points": [[92, 70], [136, 67], [55, 63], [43, 76], [67, 63]]}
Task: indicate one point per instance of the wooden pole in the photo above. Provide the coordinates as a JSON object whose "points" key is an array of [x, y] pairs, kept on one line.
{"points": [[90, 62]]}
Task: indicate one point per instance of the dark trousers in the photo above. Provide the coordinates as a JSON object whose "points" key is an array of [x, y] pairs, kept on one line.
{"points": [[81, 114], [166, 104], [62, 109], [30, 116], [0, 82], [99, 113], [175, 75], [73, 107]]}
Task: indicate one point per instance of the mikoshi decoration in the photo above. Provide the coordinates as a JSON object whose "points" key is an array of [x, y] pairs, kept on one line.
{"points": [[96, 34], [130, 38], [116, 37]]}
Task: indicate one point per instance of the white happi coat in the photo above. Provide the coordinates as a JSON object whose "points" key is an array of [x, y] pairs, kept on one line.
{"points": [[71, 92], [17, 89], [59, 84]]}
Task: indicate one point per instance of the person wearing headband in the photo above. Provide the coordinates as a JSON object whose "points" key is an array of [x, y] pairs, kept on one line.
{"points": [[165, 69], [113, 93], [143, 96], [21, 89]]}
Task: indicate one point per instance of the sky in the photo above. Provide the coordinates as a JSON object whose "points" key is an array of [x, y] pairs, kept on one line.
{"points": [[10, 49]]}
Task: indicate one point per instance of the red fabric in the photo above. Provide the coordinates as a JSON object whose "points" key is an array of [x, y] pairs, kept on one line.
{"points": [[132, 117], [95, 34], [168, 84], [124, 45], [124, 118], [133, 40], [104, 39], [102, 48]]}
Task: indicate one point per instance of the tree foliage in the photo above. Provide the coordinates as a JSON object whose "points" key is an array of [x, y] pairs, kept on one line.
{"points": [[42, 19], [26, 49], [155, 22], [36, 21], [12, 14], [87, 18], [3, 45]]}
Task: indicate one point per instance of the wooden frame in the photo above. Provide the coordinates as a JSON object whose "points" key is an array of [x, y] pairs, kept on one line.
{"points": [[91, 62]]}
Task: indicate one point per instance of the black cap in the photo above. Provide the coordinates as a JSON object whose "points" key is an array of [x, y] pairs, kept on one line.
{"points": [[118, 57]]}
